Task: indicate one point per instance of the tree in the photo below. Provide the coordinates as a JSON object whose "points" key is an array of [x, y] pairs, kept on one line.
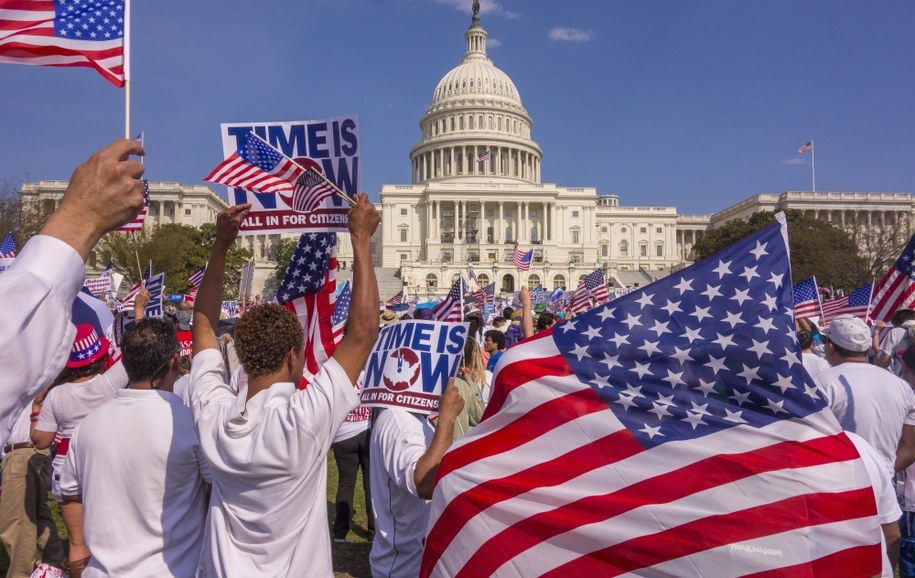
{"points": [[176, 250], [817, 248], [284, 250]]}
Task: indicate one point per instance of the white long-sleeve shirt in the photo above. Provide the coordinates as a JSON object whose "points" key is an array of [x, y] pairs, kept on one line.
{"points": [[36, 298]]}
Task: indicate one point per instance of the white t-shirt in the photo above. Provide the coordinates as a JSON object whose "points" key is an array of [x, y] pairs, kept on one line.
{"points": [[890, 344], [870, 401], [268, 459], [68, 404], [138, 465], [399, 439], [37, 294], [887, 506], [357, 421], [814, 364]]}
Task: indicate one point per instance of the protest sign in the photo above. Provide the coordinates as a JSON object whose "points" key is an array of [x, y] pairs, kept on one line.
{"points": [[6, 263], [186, 339], [411, 363], [156, 287], [331, 146]]}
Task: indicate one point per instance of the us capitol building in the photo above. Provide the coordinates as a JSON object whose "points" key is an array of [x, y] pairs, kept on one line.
{"points": [[476, 189]]}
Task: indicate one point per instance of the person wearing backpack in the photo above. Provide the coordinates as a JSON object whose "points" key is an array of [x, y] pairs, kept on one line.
{"points": [[899, 338]]}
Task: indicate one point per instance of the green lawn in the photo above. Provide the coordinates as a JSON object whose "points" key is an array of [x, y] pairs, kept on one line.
{"points": [[350, 559]]}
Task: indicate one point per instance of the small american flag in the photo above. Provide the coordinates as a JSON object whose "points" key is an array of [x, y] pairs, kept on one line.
{"points": [[196, 278], [311, 189], [671, 432], [8, 246], [805, 147], [581, 298], [137, 223], [89, 33], [308, 289], [341, 312], [484, 156], [471, 273], [256, 166], [897, 288], [484, 296], [806, 299], [452, 306], [855, 303], [596, 285], [396, 299], [522, 260]]}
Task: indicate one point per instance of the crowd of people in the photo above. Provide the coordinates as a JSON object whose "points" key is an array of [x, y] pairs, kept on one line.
{"points": [[214, 464]]}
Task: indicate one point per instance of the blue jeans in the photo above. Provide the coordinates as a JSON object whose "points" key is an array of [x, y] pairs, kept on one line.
{"points": [[907, 546]]}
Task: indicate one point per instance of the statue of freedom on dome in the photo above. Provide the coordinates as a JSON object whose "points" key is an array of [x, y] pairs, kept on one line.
{"points": [[476, 7]]}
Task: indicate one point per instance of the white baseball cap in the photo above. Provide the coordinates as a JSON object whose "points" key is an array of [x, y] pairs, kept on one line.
{"points": [[850, 333]]}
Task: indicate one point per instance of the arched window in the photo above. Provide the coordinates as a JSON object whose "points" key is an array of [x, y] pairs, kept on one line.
{"points": [[582, 277], [533, 281], [559, 282], [471, 123], [431, 280], [490, 235], [508, 235], [624, 248], [482, 280], [604, 250], [534, 233], [508, 284], [454, 278]]}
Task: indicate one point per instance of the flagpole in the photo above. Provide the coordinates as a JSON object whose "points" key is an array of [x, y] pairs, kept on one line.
{"points": [[813, 164], [126, 68]]}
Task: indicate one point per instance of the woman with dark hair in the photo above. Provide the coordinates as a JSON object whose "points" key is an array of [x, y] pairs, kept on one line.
{"points": [[813, 363]]}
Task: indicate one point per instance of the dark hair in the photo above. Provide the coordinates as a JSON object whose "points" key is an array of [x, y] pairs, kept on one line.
{"points": [[545, 320], [264, 336], [473, 327], [844, 353], [901, 316], [507, 313], [147, 347], [70, 374], [496, 337]]}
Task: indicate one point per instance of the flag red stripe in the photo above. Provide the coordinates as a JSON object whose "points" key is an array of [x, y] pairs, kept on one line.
{"points": [[612, 448], [29, 5], [858, 561], [520, 373], [780, 516], [672, 485]]}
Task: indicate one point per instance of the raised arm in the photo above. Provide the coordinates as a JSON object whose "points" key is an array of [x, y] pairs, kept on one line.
{"points": [[209, 296], [362, 325]]}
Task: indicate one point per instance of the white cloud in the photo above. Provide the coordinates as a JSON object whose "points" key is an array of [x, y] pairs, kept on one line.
{"points": [[493, 42], [794, 162], [569, 35]]}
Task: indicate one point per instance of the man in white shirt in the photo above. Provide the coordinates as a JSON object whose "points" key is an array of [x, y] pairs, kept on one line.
{"points": [[37, 291], [267, 445], [868, 400], [404, 455], [135, 476]]}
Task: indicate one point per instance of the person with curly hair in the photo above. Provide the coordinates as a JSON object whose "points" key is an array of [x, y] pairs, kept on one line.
{"points": [[267, 444]]}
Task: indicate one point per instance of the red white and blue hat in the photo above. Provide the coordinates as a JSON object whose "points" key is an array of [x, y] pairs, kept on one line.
{"points": [[88, 347]]}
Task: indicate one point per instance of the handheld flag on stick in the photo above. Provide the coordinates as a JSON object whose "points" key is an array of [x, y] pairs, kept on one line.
{"points": [[806, 299], [452, 306], [855, 303], [897, 288], [522, 260], [86, 34], [8, 247]]}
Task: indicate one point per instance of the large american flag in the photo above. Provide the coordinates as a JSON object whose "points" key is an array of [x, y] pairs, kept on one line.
{"points": [[88, 33], [341, 312], [308, 289], [896, 289], [855, 303], [137, 223], [521, 259], [452, 306], [256, 166], [673, 431], [8, 247], [311, 189], [806, 299]]}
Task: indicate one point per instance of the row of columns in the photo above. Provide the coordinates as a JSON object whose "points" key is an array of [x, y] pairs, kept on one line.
{"points": [[503, 161], [520, 221], [843, 217]]}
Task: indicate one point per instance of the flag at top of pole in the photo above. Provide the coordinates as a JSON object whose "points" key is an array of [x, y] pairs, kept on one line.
{"points": [[808, 146], [88, 33]]}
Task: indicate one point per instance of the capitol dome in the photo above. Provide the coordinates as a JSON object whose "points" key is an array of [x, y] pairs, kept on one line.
{"points": [[476, 125]]}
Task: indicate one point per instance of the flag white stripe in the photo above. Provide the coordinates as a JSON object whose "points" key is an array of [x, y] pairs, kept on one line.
{"points": [[25, 15], [735, 496]]}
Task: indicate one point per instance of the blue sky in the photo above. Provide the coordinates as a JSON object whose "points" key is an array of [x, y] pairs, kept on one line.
{"points": [[692, 104]]}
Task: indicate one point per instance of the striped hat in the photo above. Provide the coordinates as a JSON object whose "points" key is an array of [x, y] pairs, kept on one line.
{"points": [[88, 347]]}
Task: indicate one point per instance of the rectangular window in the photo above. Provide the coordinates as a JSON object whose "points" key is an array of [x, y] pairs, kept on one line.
{"points": [[603, 229], [403, 212], [643, 250], [603, 250], [404, 256], [659, 250], [403, 235], [643, 230], [489, 212], [187, 212], [658, 230], [508, 212], [574, 214], [575, 237]]}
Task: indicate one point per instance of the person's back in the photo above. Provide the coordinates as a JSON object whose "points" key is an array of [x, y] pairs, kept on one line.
{"points": [[137, 463], [267, 444]]}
